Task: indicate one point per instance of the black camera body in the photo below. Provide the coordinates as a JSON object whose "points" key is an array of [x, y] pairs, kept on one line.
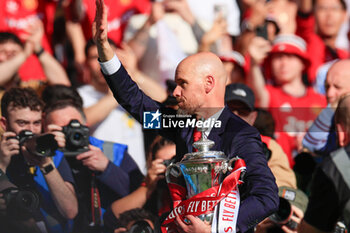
{"points": [[77, 138], [20, 203], [42, 145]]}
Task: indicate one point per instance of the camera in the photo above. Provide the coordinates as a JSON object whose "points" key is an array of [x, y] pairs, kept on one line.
{"points": [[77, 138], [140, 227], [42, 145], [20, 203], [284, 214]]}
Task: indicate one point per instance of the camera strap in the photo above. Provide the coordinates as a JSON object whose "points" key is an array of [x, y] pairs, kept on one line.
{"points": [[95, 203]]}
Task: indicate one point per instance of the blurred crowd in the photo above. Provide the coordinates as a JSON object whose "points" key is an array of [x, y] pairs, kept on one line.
{"points": [[289, 71]]}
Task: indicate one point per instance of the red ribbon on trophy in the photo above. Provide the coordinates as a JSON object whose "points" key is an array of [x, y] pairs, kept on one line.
{"points": [[205, 201]]}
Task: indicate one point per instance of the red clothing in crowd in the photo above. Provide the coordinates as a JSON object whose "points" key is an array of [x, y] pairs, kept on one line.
{"points": [[16, 16], [293, 116], [318, 52], [119, 12]]}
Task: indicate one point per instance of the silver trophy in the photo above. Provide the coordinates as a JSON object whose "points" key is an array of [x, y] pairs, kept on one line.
{"points": [[201, 170]]}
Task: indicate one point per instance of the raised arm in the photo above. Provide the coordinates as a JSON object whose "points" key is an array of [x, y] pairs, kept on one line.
{"points": [[99, 32], [53, 70], [258, 50]]}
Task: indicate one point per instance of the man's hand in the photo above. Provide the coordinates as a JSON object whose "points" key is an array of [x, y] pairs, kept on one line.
{"points": [[8, 147], [259, 49], [157, 12], [218, 30], [196, 225], [94, 159], [99, 32], [182, 8], [59, 135]]}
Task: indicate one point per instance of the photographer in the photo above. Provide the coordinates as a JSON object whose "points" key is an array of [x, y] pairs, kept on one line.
{"points": [[112, 180], [153, 194], [50, 178], [291, 210]]}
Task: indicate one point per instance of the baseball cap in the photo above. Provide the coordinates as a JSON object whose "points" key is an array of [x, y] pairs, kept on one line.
{"points": [[291, 44], [295, 197], [241, 92], [233, 56]]}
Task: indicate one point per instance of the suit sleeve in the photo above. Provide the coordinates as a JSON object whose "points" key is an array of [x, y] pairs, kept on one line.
{"points": [[260, 194], [129, 95], [124, 179]]}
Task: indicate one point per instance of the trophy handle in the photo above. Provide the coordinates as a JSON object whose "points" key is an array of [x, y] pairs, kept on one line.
{"points": [[231, 165], [172, 173]]}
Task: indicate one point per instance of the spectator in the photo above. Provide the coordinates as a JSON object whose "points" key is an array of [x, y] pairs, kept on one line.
{"points": [[201, 80], [320, 138], [241, 100], [103, 112], [291, 103], [116, 173], [13, 54], [79, 32], [18, 17], [329, 199], [326, 16], [289, 215], [235, 66], [52, 178]]}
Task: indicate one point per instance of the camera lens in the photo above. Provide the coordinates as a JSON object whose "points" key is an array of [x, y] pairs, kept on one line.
{"points": [[284, 212], [27, 200], [76, 139], [76, 136]]}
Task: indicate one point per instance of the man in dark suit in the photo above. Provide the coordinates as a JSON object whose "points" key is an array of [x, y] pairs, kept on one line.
{"points": [[200, 90]]}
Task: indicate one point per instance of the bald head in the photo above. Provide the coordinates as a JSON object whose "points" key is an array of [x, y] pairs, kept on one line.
{"points": [[338, 80], [201, 80], [203, 64]]}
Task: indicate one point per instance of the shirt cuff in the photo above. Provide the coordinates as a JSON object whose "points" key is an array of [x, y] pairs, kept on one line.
{"points": [[110, 67]]}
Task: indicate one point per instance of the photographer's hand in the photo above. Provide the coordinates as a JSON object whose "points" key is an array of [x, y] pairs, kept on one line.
{"points": [[120, 230], [94, 159], [8, 147], [155, 173], [264, 225], [2, 205], [296, 217], [34, 160], [59, 135]]}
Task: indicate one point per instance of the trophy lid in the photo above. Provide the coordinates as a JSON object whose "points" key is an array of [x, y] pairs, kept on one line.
{"points": [[203, 145]]}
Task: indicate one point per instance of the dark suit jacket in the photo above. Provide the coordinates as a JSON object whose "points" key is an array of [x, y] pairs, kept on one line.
{"points": [[259, 194]]}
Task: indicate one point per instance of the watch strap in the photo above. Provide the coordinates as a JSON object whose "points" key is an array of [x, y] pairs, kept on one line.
{"points": [[48, 168]]}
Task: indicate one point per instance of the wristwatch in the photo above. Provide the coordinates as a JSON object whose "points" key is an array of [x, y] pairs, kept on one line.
{"points": [[48, 168]]}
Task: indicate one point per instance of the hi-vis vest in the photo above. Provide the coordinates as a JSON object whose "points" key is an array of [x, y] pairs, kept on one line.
{"points": [[338, 170]]}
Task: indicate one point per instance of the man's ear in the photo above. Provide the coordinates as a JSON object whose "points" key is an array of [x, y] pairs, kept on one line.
{"points": [[341, 135], [3, 123], [209, 83]]}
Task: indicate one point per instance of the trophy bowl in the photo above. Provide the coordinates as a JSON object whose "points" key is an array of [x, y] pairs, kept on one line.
{"points": [[200, 170]]}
